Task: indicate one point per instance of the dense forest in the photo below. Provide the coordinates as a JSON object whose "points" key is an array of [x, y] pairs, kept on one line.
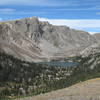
{"points": [[21, 78]]}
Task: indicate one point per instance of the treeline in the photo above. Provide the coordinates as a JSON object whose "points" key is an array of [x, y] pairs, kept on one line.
{"points": [[20, 78], [23, 78]]}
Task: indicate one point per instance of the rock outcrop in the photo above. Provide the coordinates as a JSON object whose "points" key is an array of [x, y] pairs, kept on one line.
{"points": [[97, 36], [33, 40], [91, 50]]}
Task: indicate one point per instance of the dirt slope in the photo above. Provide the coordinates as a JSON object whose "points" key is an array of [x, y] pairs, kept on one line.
{"points": [[88, 90]]}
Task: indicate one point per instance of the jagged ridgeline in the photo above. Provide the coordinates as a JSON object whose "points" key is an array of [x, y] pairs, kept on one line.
{"points": [[21, 78], [33, 40]]}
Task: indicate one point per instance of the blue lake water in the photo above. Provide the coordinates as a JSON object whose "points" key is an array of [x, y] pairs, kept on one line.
{"points": [[58, 63]]}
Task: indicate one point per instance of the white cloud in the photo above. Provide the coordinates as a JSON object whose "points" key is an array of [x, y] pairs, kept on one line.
{"points": [[67, 3], [93, 32], [49, 2], [76, 23], [38, 2], [6, 10], [78, 9], [17, 12]]}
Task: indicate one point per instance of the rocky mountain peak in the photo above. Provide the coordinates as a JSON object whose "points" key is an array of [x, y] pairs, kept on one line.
{"points": [[34, 40]]}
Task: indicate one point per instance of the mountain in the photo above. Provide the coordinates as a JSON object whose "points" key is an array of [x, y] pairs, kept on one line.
{"points": [[33, 40], [97, 36], [91, 50]]}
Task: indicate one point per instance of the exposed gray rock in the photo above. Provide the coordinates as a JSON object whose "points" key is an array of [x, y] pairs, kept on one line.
{"points": [[97, 36], [22, 91], [95, 48], [33, 40]]}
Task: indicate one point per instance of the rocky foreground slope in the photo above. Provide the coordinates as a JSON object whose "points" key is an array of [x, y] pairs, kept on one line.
{"points": [[33, 40], [88, 90]]}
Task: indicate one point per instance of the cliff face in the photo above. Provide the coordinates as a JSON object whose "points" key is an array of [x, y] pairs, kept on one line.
{"points": [[97, 36], [33, 40]]}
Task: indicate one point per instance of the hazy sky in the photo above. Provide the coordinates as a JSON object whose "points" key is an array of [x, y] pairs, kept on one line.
{"points": [[80, 14]]}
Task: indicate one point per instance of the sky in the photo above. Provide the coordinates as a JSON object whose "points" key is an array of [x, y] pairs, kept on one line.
{"points": [[78, 14]]}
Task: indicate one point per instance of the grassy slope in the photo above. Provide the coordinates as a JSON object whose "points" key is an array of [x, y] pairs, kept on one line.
{"points": [[88, 90]]}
